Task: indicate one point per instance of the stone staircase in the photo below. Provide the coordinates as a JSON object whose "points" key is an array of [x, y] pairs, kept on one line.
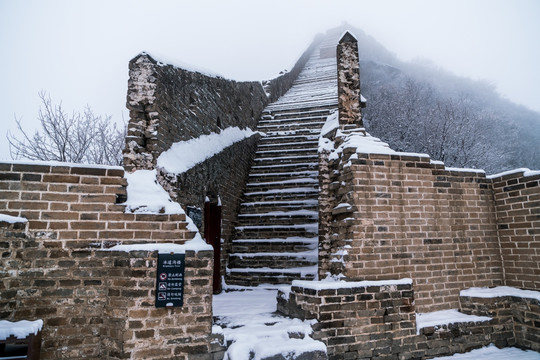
{"points": [[277, 233]]}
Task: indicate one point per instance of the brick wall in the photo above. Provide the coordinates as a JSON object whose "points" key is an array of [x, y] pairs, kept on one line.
{"points": [[370, 320], [517, 317], [404, 216], [517, 199], [95, 303], [80, 206]]}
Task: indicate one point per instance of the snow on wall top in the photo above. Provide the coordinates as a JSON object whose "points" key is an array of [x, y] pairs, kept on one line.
{"points": [[162, 60], [183, 155], [146, 196], [12, 219], [329, 285], [19, 329], [445, 317], [525, 171], [500, 291], [196, 244], [60, 163]]}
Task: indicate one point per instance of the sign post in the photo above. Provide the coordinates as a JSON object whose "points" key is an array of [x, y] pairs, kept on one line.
{"points": [[170, 280]]}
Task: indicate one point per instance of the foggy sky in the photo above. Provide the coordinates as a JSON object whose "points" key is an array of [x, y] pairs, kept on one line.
{"points": [[78, 51]]}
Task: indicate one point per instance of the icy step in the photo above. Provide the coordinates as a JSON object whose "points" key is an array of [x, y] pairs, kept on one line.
{"points": [[437, 319], [283, 175], [288, 205], [302, 125], [283, 183], [305, 213], [286, 159], [271, 231], [311, 254], [285, 168], [289, 145], [278, 245], [272, 220], [297, 190], [302, 271], [279, 260], [265, 154]]}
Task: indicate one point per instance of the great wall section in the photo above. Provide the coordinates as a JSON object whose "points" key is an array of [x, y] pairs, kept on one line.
{"points": [[365, 244]]}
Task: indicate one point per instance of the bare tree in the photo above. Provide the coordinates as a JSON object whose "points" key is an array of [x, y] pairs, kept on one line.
{"points": [[78, 138]]}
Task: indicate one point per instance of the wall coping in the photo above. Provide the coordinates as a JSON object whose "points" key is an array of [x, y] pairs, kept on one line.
{"points": [[333, 285], [60, 163], [500, 291], [197, 244]]}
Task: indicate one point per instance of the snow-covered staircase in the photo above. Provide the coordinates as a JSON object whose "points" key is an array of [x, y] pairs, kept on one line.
{"points": [[277, 233]]}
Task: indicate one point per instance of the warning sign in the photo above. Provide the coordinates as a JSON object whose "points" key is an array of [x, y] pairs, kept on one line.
{"points": [[170, 280]]}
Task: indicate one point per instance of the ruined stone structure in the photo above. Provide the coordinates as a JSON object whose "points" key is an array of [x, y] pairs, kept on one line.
{"points": [[312, 196]]}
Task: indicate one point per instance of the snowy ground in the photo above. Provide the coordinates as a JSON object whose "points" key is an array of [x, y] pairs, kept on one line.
{"points": [[492, 353], [247, 318]]}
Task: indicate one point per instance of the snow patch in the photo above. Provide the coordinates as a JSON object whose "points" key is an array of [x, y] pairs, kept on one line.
{"points": [[331, 285], [525, 171], [196, 244], [500, 291], [445, 317], [183, 155], [19, 329], [12, 219], [146, 196], [491, 352]]}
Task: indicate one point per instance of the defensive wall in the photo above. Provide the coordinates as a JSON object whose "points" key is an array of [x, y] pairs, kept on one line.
{"points": [[95, 303], [168, 104], [383, 216]]}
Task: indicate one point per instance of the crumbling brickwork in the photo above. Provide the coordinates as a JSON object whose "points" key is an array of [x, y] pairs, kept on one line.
{"points": [[348, 68]]}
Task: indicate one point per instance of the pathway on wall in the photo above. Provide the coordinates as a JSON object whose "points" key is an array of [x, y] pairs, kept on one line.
{"points": [[276, 238]]}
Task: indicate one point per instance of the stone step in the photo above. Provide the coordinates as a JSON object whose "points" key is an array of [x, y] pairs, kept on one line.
{"points": [[291, 144], [279, 260], [286, 159], [285, 168], [303, 193], [292, 120], [257, 276], [276, 231], [264, 153], [288, 126], [281, 176], [258, 186], [298, 132], [268, 206], [279, 218], [287, 244]]}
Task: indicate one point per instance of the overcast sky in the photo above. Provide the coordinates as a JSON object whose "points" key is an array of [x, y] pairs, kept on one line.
{"points": [[78, 51]]}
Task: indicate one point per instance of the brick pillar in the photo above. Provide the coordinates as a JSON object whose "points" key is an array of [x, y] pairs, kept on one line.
{"points": [[348, 67]]}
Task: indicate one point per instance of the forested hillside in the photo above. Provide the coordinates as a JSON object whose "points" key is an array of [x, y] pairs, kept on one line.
{"points": [[417, 107]]}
